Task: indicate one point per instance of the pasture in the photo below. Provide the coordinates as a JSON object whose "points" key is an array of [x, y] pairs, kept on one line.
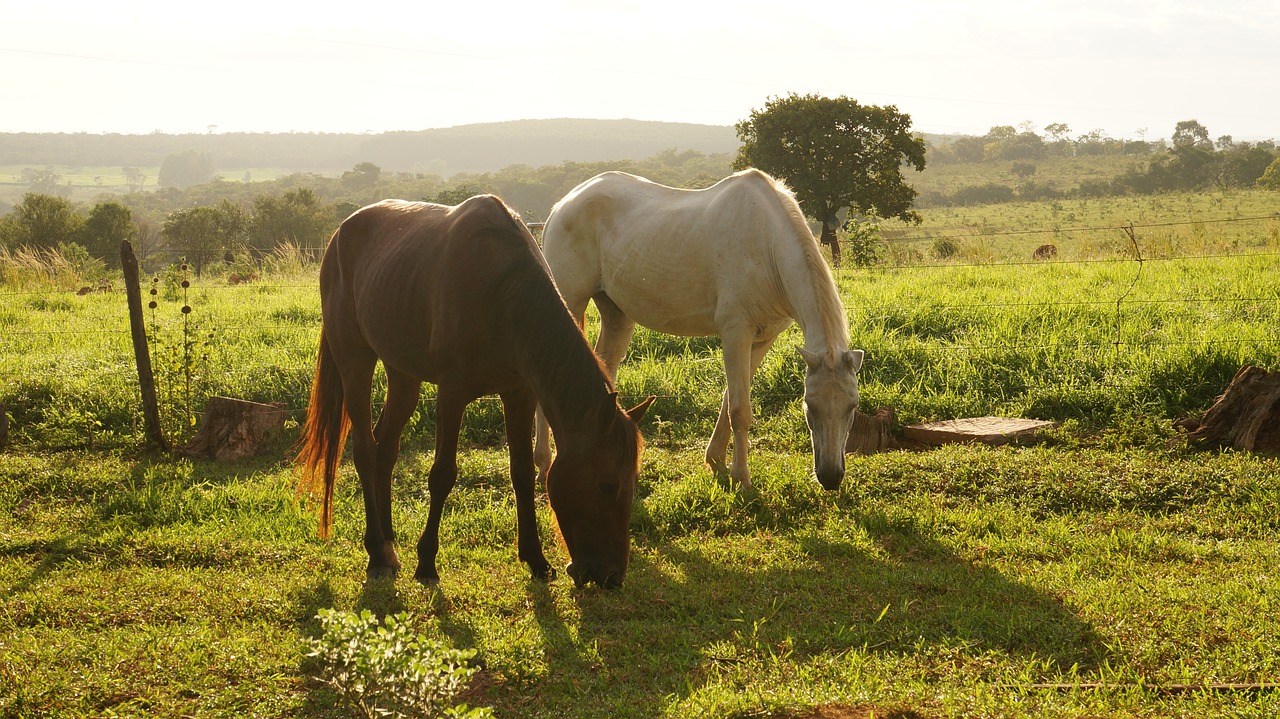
{"points": [[85, 183], [1098, 573]]}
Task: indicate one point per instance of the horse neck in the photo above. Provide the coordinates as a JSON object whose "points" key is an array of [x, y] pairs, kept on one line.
{"points": [[569, 402], [815, 302], [565, 374]]}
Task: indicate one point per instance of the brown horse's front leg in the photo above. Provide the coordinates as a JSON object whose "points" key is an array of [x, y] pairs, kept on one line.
{"points": [[518, 411], [440, 481]]}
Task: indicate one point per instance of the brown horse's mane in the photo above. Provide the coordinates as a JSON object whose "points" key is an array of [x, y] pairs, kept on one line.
{"points": [[554, 349]]}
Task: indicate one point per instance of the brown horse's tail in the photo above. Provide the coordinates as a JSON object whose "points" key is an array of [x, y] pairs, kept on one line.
{"points": [[319, 449]]}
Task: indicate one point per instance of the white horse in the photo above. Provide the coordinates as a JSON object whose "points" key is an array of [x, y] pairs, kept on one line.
{"points": [[736, 260]]}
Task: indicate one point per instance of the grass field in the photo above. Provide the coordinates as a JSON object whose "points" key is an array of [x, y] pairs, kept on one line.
{"points": [[1097, 573], [88, 184]]}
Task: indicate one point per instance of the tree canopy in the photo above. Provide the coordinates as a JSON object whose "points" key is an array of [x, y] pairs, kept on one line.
{"points": [[835, 154], [206, 231], [41, 221], [109, 224]]}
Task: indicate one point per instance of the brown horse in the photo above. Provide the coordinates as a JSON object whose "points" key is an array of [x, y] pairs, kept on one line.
{"points": [[461, 297]]}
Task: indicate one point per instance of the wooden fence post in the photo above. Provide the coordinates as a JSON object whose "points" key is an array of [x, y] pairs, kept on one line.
{"points": [[146, 380]]}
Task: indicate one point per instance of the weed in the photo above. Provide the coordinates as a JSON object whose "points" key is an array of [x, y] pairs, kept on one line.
{"points": [[390, 670]]}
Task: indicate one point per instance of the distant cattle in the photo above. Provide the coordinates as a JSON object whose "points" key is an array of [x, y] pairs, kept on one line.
{"points": [[1045, 252]]}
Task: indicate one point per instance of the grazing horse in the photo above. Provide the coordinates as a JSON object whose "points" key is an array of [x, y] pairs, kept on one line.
{"points": [[462, 297], [736, 260]]}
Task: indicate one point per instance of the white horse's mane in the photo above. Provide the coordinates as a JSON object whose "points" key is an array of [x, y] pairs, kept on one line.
{"points": [[830, 309]]}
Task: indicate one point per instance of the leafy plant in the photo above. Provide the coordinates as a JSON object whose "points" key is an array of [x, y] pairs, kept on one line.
{"points": [[389, 670], [864, 239]]}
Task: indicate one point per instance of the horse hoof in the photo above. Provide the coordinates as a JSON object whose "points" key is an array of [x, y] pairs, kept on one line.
{"points": [[381, 572], [545, 574], [426, 579]]}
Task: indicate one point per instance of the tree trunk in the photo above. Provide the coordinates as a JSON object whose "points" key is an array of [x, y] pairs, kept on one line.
{"points": [[830, 239], [1246, 416]]}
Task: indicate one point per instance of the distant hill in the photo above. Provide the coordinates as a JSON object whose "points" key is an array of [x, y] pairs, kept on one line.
{"points": [[493, 146], [444, 151]]}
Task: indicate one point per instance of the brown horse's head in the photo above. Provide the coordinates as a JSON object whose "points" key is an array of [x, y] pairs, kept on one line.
{"points": [[591, 485]]}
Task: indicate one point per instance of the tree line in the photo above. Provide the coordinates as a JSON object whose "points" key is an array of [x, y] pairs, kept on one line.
{"points": [[846, 162], [1190, 161]]}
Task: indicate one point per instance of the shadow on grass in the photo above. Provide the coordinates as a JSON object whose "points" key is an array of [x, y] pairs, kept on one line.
{"points": [[693, 614]]}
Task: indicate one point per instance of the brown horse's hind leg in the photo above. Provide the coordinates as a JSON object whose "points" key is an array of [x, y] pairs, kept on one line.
{"points": [[444, 473], [518, 408], [402, 398], [357, 375]]}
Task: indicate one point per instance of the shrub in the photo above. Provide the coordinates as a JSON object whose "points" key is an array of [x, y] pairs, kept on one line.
{"points": [[389, 670]]}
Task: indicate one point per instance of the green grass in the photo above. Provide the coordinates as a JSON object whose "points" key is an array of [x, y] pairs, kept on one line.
{"points": [[934, 584], [88, 183], [943, 583]]}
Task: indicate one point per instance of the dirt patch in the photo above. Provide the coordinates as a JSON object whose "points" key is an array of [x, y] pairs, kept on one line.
{"points": [[843, 711]]}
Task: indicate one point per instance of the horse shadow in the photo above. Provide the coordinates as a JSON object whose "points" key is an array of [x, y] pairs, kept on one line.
{"points": [[909, 595]]}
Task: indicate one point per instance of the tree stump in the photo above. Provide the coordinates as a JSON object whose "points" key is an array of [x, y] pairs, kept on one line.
{"points": [[871, 433], [233, 429], [1245, 416]]}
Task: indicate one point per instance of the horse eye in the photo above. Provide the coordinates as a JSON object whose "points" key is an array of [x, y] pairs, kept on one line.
{"points": [[609, 488]]}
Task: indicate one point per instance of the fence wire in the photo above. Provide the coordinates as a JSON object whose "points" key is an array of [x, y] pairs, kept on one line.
{"points": [[13, 338]]}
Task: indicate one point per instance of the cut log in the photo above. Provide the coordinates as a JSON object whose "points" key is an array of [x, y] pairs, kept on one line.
{"points": [[1246, 416], [871, 433], [988, 430], [233, 429]]}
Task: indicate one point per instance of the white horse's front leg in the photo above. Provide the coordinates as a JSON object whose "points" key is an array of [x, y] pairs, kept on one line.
{"points": [[736, 406], [739, 422]]}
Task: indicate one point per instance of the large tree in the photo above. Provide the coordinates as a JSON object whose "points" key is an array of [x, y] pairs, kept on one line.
{"points": [[205, 232], [298, 218], [109, 224], [185, 169], [41, 221], [835, 154]]}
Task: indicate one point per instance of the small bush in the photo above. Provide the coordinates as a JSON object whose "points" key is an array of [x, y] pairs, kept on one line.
{"points": [[389, 670]]}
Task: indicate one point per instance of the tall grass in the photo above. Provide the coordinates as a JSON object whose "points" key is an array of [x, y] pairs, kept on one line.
{"points": [[1094, 343], [66, 268]]}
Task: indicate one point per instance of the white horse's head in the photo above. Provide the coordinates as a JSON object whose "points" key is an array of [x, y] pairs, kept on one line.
{"points": [[830, 398]]}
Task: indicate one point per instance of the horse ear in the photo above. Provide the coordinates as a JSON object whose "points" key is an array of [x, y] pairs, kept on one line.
{"points": [[812, 359], [636, 413], [853, 360], [609, 409]]}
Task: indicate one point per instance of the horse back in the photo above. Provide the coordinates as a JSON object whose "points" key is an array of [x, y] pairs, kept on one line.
{"points": [[420, 284], [676, 260]]}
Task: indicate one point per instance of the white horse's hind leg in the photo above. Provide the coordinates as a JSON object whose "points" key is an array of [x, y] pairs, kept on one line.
{"points": [[718, 445], [541, 447], [616, 330]]}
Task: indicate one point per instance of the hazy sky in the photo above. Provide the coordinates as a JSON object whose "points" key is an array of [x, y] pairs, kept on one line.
{"points": [[1127, 67]]}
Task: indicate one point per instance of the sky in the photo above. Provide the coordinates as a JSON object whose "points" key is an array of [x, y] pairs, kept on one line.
{"points": [[1129, 68]]}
